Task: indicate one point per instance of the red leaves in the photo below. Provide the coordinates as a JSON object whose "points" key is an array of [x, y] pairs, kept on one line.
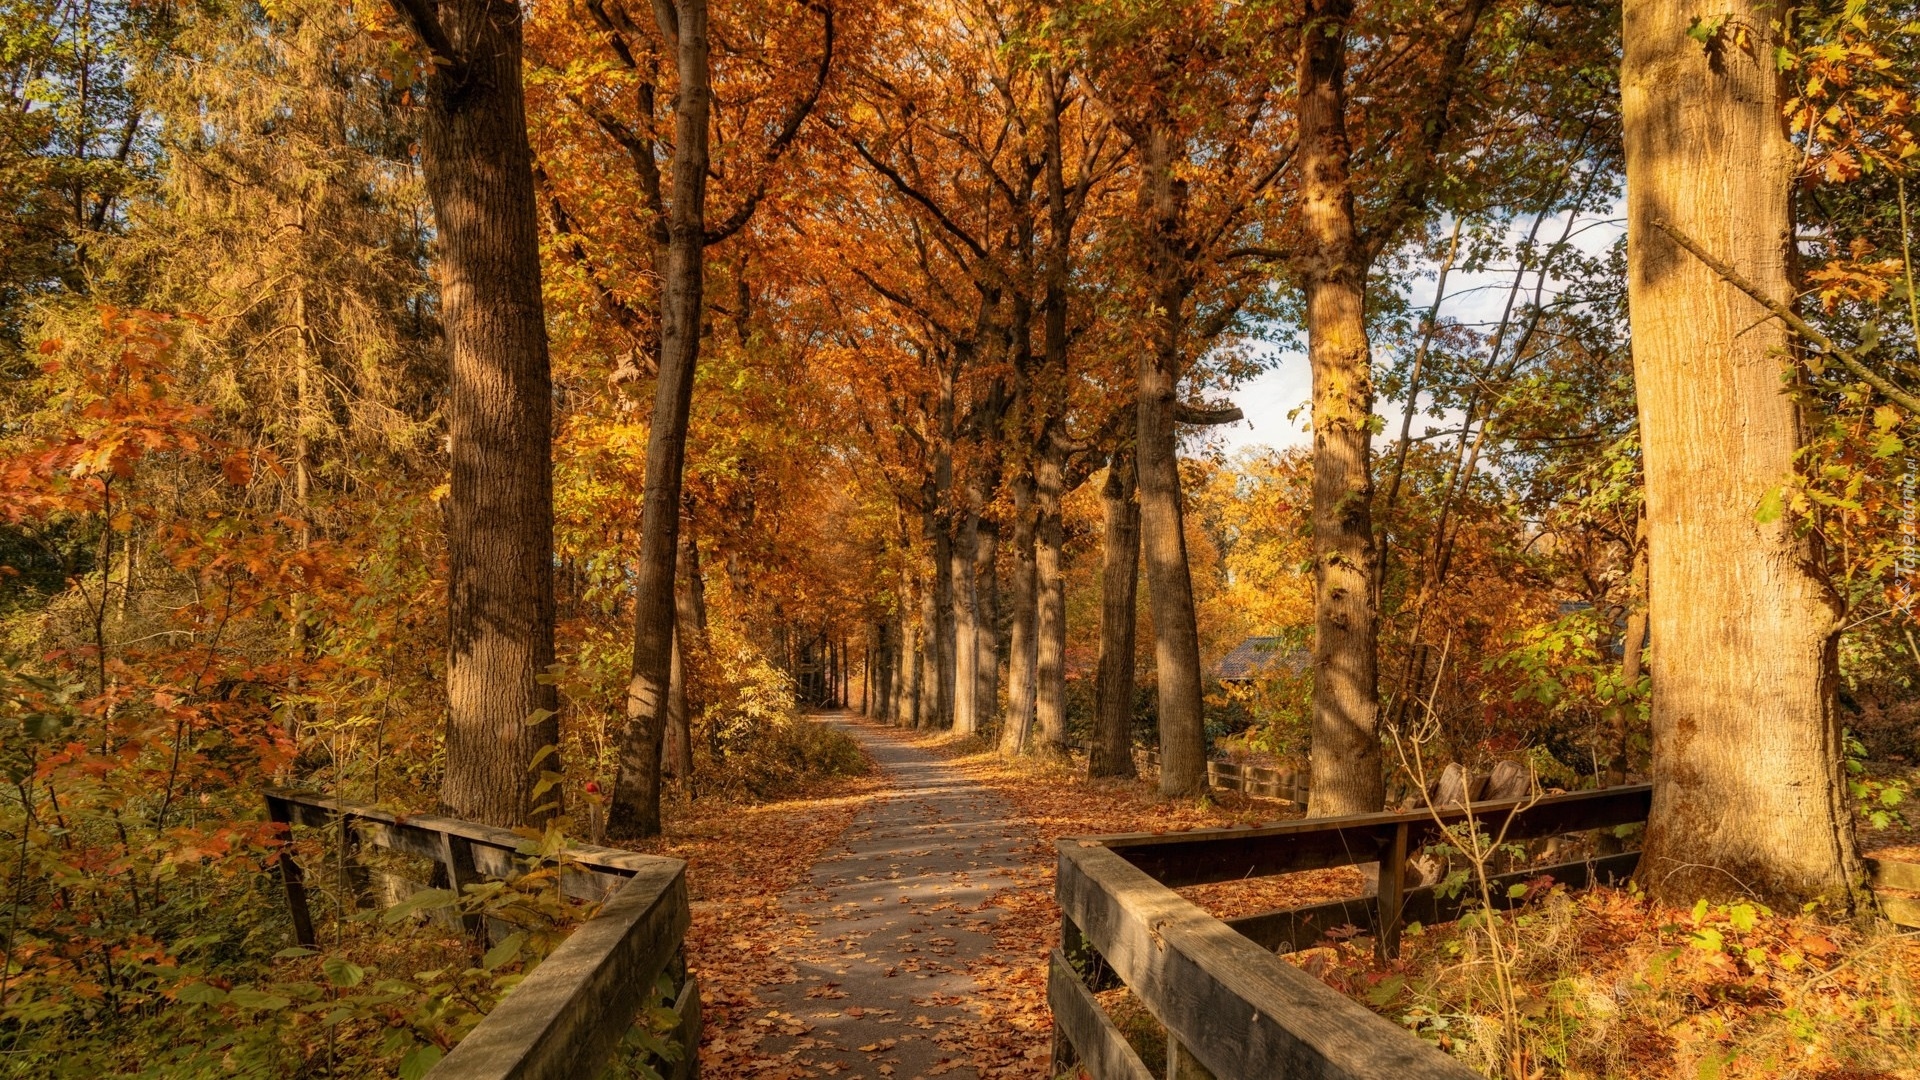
{"points": [[237, 469]]}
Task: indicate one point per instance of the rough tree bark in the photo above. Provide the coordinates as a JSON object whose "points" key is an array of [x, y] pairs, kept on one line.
{"points": [[479, 174], [966, 651], [1112, 753], [1347, 774], [1748, 796], [635, 808], [689, 638], [1050, 673], [1176, 645], [1021, 651], [986, 624], [912, 671]]}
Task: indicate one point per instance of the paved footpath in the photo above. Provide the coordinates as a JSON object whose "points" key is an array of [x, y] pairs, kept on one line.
{"points": [[898, 910]]}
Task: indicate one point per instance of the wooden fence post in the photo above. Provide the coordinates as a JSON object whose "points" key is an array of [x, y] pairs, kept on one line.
{"points": [[456, 856], [291, 878], [1393, 871]]}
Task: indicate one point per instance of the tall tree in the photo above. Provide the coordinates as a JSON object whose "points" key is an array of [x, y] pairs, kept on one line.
{"points": [[1112, 752], [479, 174], [1333, 263], [1748, 794]]}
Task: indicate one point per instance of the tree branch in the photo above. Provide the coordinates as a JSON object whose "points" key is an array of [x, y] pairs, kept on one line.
{"points": [[1411, 198], [788, 132], [1203, 416], [1787, 315], [900, 183], [419, 16]]}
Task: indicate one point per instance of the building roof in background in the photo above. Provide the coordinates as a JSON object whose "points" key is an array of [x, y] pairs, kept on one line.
{"points": [[1258, 656]]}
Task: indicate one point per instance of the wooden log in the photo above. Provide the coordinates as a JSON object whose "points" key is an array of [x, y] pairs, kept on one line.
{"points": [[1292, 929], [564, 1019], [456, 862], [1083, 1033], [415, 833], [1204, 856], [1182, 1065], [1240, 1010]]}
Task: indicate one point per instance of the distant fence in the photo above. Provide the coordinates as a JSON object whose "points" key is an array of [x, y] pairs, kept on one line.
{"points": [[568, 1015], [1287, 785]]}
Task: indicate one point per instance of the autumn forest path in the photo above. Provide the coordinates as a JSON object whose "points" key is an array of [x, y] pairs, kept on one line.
{"points": [[899, 909]]}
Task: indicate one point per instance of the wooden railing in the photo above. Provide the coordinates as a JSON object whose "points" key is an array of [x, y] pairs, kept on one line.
{"points": [[569, 1014], [1229, 1003]]}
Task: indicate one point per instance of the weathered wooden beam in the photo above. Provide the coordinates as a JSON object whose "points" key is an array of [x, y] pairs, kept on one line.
{"points": [[687, 1033], [414, 832], [1205, 856], [1240, 1010], [564, 1019], [1291, 929], [1889, 874], [1393, 868], [587, 872], [1082, 1030], [291, 878]]}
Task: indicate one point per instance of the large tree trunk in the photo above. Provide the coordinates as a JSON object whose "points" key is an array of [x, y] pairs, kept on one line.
{"points": [[479, 174], [986, 624], [966, 650], [879, 703], [1347, 775], [1050, 711], [1176, 638], [912, 672], [635, 810], [1112, 753], [1748, 796], [689, 639], [936, 677], [1021, 654]]}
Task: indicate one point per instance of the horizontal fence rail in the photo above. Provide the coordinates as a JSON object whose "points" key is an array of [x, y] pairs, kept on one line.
{"points": [[1229, 1004], [567, 1016]]}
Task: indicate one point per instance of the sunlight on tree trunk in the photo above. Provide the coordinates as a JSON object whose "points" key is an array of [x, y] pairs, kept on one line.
{"points": [[1112, 753], [635, 811], [479, 174], [1748, 794], [1347, 768]]}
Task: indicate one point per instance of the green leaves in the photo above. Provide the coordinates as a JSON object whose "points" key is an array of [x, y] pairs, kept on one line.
{"points": [[419, 1060], [506, 952], [248, 998], [342, 972], [423, 901]]}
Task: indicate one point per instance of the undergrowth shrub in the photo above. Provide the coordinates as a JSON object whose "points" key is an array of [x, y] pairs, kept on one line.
{"points": [[750, 740], [1609, 986]]}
